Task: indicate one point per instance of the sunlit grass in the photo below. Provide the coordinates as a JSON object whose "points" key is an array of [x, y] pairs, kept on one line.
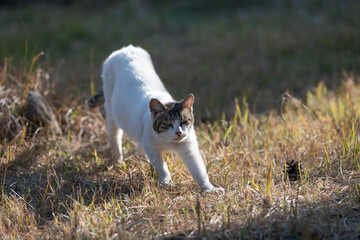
{"points": [[237, 59], [64, 186]]}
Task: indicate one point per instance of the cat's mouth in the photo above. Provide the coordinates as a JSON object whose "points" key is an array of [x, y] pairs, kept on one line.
{"points": [[179, 138]]}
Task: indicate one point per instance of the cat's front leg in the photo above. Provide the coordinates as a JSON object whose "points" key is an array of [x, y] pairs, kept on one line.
{"points": [[158, 164], [190, 155]]}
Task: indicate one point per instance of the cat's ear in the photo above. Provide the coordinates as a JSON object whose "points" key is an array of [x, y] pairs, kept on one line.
{"points": [[188, 102], [156, 106]]}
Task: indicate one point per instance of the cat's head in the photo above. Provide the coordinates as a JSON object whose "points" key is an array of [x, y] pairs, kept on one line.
{"points": [[173, 121]]}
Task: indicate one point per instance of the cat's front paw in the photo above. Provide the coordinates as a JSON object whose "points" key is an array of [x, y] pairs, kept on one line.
{"points": [[117, 158], [209, 188], [218, 190], [167, 185], [165, 180]]}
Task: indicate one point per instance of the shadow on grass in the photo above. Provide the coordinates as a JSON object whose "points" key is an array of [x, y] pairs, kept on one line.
{"points": [[321, 220], [49, 193], [333, 216]]}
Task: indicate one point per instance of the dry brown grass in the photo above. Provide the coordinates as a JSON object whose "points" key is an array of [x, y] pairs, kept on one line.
{"points": [[64, 186]]}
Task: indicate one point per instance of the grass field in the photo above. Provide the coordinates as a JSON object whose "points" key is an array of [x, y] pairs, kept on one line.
{"points": [[241, 49], [63, 186]]}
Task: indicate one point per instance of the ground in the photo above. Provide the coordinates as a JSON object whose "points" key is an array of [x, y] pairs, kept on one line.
{"points": [[239, 59]]}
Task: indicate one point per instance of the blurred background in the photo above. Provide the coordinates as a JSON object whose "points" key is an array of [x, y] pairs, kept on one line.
{"points": [[251, 50]]}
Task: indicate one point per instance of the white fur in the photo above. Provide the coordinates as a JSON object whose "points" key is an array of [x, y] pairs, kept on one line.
{"points": [[129, 83]]}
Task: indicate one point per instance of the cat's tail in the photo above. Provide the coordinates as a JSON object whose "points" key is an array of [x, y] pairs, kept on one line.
{"points": [[97, 100]]}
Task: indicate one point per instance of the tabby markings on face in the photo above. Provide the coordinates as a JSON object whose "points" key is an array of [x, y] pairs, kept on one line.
{"points": [[173, 113]]}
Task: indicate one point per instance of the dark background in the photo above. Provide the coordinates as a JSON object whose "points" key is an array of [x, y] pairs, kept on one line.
{"points": [[218, 50]]}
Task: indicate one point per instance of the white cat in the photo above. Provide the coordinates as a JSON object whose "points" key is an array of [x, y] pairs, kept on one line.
{"points": [[137, 102]]}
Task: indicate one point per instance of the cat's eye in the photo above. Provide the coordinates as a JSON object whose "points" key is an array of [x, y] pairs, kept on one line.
{"points": [[168, 124], [183, 123]]}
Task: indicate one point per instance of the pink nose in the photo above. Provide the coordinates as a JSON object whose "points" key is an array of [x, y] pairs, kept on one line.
{"points": [[178, 134]]}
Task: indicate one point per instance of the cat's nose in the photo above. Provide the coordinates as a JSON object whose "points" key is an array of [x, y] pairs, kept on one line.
{"points": [[178, 134]]}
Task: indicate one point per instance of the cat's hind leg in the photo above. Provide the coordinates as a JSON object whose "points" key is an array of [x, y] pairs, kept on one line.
{"points": [[115, 133], [115, 138]]}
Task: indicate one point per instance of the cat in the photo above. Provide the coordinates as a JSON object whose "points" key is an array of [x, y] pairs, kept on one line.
{"points": [[97, 100], [137, 102]]}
